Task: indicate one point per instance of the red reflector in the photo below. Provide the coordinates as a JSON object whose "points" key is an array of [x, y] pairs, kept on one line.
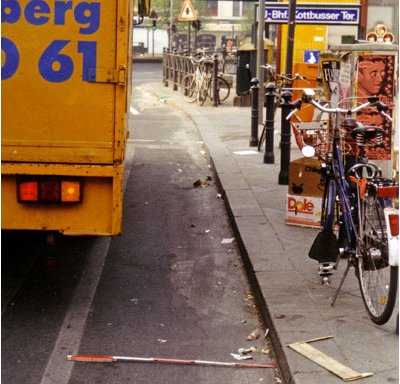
{"points": [[394, 224], [388, 191], [28, 191]]}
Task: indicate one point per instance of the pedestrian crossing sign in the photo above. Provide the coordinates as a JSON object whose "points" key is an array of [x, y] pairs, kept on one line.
{"points": [[187, 13]]}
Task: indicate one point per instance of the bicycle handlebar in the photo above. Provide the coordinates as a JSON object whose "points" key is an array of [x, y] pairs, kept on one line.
{"points": [[296, 76], [308, 98]]}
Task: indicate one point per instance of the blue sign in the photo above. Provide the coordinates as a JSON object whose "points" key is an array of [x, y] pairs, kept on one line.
{"points": [[311, 56], [315, 13]]}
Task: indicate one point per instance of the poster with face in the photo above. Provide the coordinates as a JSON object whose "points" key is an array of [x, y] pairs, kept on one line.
{"points": [[375, 76]]}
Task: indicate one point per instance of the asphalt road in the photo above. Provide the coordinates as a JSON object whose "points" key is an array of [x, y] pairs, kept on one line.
{"points": [[172, 285]]}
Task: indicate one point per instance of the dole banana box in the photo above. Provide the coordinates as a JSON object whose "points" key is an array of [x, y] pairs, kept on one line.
{"points": [[304, 211]]}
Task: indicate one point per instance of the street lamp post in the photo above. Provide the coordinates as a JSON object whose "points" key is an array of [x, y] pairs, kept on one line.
{"points": [[260, 57], [171, 23], [153, 17]]}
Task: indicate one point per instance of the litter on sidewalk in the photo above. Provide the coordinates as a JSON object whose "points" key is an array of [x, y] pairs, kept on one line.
{"points": [[113, 359], [325, 361]]}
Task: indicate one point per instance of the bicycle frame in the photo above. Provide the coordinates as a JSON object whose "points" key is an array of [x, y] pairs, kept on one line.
{"points": [[337, 186]]}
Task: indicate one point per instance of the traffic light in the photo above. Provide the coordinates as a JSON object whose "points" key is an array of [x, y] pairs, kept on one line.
{"points": [[196, 24], [154, 24], [173, 28]]}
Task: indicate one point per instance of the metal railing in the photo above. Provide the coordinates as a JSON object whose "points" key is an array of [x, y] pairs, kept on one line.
{"points": [[177, 64]]}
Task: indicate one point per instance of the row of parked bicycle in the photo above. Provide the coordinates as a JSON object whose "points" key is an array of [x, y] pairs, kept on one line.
{"points": [[202, 83]]}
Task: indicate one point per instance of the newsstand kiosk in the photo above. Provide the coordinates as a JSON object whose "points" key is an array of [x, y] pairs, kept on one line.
{"points": [[371, 69]]}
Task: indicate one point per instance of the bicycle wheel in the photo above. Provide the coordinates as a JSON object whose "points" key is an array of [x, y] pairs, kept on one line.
{"points": [[377, 278], [203, 91], [223, 89], [189, 88]]}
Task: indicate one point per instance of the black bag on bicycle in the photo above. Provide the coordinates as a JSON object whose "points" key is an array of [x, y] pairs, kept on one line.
{"points": [[325, 248]]}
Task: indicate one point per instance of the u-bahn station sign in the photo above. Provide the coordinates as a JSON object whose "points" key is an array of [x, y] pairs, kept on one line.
{"points": [[314, 13]]}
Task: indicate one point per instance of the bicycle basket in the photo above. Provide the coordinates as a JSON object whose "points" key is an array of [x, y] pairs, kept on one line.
{"points": [[319, 135]]}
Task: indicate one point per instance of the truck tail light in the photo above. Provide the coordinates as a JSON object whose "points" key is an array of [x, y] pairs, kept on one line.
{"points": [[28, 191], [70, 191], [49, 190], [394, 224]]}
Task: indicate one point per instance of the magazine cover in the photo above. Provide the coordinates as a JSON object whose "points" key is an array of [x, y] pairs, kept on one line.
{"points": [[330, 74]]}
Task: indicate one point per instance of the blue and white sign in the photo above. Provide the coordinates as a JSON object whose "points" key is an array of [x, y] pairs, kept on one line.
{"points": [[315, 13], [311, 56]]}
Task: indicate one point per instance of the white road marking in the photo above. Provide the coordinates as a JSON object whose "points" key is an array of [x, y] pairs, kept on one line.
{"points": [[133, 111], [58, 369]]}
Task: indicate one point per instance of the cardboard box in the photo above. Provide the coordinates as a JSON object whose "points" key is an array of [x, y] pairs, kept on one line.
{"points": [[304, 211], [305, 177]]}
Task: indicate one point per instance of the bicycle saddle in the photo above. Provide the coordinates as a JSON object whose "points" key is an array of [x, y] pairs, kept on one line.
{"points": [[368, 135]]}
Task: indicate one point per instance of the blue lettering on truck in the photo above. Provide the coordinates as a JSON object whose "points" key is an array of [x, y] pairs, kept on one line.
{"points": [[53, 65]]}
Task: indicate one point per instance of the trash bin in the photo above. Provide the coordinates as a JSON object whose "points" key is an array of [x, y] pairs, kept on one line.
{"points": [[247, 64]]}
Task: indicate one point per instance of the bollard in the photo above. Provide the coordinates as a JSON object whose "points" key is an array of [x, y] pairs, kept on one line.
{"points": [[286, 106], [269, 157], [215, 81], [254, 112], [165, 67], [175, 69]]}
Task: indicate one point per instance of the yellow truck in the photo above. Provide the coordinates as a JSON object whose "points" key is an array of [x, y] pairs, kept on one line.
{"points": [[65, 96]]}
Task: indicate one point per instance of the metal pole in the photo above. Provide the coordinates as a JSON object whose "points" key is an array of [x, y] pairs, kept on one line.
{"points": [[269, 157], [215, 81], [260, 56], [175, 69], [254, 112], [290, 43], [132, 359], [171, 22], [152, 44], [188, 37], [285, 139]]}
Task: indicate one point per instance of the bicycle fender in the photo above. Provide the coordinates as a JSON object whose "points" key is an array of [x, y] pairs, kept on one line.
{"points": [[393, 241]]}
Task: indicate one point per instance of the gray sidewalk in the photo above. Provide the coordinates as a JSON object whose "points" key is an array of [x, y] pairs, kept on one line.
{"points": [[294, 305]]}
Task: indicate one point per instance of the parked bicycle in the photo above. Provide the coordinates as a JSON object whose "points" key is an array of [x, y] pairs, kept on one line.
{"points": [[197, 86], [282, 83], [359, 207]]}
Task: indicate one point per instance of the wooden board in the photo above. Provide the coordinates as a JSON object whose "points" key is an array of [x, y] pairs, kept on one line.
{"points": [[327, 362]]}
